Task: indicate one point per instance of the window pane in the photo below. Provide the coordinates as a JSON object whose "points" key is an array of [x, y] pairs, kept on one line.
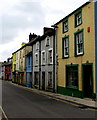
{"points": [[80, 37], [36, 56], [47, 41], [65, 26], [79, 42], [72, 76], [37, 45], [78, 19], [66, 47], [43, 57], [50, 56]]}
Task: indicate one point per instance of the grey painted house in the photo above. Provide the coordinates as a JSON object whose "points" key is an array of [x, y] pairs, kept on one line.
{"points": [[36, 71], [48, 65], [44, 61], [34, 42]]}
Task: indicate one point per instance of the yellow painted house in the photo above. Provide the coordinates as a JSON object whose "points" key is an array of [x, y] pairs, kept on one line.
{"points": [[19, 64], [24, 50], [76, 40], [14, 67]]}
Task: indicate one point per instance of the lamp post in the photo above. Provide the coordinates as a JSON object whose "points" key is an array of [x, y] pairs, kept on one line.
{"points": [[54, 57]]}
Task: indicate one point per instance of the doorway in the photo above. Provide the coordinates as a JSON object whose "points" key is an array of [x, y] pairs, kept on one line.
{"points": [[87, 80], [43, 80], [29, 79], [36, 80]]}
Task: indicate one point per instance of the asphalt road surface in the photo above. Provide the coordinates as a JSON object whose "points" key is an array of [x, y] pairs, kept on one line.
{"points": [[19, 103]]}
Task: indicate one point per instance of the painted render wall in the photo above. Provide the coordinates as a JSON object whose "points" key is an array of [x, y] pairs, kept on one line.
{"points": [[46, 68], [28, 69], [35, 66], [13, 62], [17, 60], [24, 51], [89, 46]]}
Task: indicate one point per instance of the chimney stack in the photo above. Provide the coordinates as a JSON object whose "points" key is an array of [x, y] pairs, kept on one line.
{"points": [[46, 30], [32, 36]]}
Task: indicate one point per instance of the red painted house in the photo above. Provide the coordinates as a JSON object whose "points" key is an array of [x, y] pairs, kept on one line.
{"points": [[7, 69]]}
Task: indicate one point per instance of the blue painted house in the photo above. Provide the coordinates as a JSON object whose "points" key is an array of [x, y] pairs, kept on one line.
{"points": [[29, 69]]}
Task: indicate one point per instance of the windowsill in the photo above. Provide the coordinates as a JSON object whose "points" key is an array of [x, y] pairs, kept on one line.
{"points": [[65, 31], [72, 87], [78, 25], [36, 65], [43, 64], [65, 57], [46, 45], [50, 64], [79, 54], [29, 66]]}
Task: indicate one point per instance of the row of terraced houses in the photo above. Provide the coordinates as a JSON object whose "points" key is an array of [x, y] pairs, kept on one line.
{"points": [[64, 58]]}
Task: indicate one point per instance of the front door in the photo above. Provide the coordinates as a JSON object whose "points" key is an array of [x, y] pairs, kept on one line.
{"points": [[87, 80], [30, 79], [43, 80]]}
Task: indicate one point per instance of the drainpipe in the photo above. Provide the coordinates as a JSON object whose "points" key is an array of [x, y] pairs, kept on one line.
{"points": [[25, 70], [54, 58], [95, 3], [39, 63], [24, 79], [32, 69]]}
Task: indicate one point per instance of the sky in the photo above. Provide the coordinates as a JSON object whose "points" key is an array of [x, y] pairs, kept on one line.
{"points": [[19, 18]]}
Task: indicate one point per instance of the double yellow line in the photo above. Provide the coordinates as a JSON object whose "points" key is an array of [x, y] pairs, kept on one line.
{"points": [[5, 116]]}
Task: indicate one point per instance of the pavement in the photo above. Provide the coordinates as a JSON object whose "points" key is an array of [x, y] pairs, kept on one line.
{"points": [[85, 102]]}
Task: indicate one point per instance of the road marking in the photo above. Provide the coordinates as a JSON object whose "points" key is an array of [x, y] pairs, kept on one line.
{"points": [[4, 113]]}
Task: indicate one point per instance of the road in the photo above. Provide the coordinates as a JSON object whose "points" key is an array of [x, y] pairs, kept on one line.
{"points": [[18, 102]]}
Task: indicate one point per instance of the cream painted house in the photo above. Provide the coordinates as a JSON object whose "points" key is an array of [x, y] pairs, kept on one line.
{"points": [[76, 41]]}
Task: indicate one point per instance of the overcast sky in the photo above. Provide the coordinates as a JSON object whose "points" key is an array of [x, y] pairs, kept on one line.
{"points": [[20, 17]]}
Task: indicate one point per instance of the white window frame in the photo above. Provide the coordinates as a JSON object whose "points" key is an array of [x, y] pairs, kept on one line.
{"points": [[43, 62], [37, 45], [51, 49], [36, 62], [78, 19], [79, 41], [65, 26], [66, 46], [47, 41]]}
